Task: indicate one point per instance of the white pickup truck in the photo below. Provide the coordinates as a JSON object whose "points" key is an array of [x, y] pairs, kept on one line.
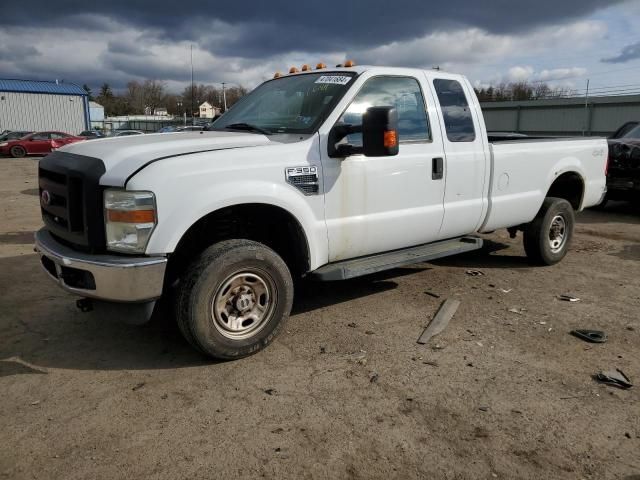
{"points": [[329, 172]]}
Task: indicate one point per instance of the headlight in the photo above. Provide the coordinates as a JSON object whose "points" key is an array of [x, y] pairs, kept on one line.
{"points": [[129, 218], [4, 144]]}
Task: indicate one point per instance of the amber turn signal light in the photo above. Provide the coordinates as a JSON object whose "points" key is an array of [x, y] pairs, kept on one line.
{"points": [[320, 66], [293, 70], [277, 75], [131, 216], [349, 63], [390, 138], [305, 68]]}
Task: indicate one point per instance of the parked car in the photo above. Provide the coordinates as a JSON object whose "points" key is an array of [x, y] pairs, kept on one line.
{"points": [[39, 143], [330, 174], [13, 135], [623, 175], [167, 129], [190, 128], [92, 134], [126, 133]]}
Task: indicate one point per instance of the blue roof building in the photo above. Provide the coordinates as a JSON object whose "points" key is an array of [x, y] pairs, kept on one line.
{"points": [[41, 105]]}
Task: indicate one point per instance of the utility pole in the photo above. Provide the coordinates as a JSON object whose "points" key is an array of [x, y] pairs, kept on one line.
{"points": [[193, 121], [586, 109], [224, 96]]}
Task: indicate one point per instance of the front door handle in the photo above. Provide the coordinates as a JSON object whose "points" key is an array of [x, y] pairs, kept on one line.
{"points": [[437, 168]]}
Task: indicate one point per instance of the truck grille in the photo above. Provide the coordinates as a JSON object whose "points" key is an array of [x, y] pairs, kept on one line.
{"points": [[71, 199]]}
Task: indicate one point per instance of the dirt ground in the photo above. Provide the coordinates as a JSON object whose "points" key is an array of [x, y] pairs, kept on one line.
{"points": [[345, 392]]}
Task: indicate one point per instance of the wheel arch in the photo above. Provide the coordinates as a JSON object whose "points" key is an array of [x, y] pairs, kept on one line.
{"points": [[266, 223], [569, 186]]}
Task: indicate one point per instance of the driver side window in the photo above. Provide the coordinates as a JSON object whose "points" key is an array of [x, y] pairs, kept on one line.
{"points": [[404, 94]]}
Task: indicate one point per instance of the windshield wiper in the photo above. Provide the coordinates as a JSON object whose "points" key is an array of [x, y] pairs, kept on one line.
{"points": [[248, 127]]}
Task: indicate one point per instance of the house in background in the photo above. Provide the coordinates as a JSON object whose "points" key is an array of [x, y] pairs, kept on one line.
{"points": [[208, 111], [157, 112]]}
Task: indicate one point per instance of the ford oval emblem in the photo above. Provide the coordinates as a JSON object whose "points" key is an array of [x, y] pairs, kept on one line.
{"points": [[45, 197]]}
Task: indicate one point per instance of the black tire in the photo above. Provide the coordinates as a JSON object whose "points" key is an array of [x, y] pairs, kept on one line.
{"points": [[18, 151], [537, 234], [201, 291]]}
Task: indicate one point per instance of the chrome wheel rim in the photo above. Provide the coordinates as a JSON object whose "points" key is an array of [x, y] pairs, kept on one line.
{"points": [[557, 233], [243, 304]]}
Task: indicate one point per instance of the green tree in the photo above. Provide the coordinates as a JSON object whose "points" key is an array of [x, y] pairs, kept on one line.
{"points": [[89, 92]]}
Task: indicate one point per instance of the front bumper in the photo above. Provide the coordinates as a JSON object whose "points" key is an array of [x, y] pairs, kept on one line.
{"points": [[114, 278]]}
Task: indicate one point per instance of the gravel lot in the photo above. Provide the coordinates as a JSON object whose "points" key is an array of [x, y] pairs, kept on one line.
{"points": [[345, 392]]}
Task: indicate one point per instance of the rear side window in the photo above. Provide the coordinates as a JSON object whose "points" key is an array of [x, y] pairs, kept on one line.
{"points": [[404, 94], [458, 121]]}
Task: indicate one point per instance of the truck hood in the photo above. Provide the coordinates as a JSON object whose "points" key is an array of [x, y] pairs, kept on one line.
{"points": [[123, 156]]}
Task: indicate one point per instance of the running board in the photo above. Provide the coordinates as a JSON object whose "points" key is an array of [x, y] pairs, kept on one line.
{"points": [[396, 258]]}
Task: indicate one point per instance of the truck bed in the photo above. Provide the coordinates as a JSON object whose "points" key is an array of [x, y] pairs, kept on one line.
{"points": [[523, 170]]}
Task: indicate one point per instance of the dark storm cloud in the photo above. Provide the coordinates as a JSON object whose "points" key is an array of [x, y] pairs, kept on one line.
{"points": [[17, 52], [276, 26], [628, 53]]}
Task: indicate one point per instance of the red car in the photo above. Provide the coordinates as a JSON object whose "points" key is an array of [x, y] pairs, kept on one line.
{"points": [[39, 143]]}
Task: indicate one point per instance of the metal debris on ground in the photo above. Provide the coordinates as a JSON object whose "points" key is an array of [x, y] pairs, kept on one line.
{"points": [[615, 378], [568, 298], [138, 386], [431, 294], [373, 377], [475, 273], [518, 311], [506, 291], [270, 391], [593, 336], [440, 321]]}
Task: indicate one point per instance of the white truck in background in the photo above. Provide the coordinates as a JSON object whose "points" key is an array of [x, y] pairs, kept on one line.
{"points": [[328, 173]]}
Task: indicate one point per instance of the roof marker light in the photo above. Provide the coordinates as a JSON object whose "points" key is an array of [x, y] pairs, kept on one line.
{"points": [[305, 68], [349, 63], [293, 70], [277, 75], [320, 66]]}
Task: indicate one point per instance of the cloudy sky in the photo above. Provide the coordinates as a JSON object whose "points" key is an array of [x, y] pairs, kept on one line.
{"points": [[563, 42]]}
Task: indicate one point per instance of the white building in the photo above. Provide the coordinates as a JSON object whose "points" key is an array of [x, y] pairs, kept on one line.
{"points": [[208, 111], [156, 112], [96, 114], [37, 105]]}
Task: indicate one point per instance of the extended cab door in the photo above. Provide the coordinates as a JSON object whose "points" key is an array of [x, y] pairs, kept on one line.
{"points": [[466, 167], [377, 204]]}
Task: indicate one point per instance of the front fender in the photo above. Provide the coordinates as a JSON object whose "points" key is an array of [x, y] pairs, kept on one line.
{"points": [[176, 216]]}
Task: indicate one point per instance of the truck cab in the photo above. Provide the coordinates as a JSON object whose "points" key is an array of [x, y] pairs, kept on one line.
{"points": [[326, 173]]}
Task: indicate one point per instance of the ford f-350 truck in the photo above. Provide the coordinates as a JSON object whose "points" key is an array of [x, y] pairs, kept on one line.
{"points": [[327, 173]]}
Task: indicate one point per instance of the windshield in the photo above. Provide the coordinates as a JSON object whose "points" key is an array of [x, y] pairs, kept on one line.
{"points": [[633, 133], [292, 104]]}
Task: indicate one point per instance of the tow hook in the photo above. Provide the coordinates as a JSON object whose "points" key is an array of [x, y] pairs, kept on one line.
{"points": [[84, 305]]}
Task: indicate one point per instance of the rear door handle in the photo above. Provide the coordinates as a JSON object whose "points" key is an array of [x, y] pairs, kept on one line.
{"points": [[437, 168]]}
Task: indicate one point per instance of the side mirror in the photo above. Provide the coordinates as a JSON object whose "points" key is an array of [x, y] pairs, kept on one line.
{"points": [[379, 134]]}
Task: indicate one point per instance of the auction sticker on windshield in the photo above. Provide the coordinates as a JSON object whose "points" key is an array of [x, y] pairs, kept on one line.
{"points": [[334, 79]]}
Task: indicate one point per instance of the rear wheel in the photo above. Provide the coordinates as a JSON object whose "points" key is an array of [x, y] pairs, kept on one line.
{"points": [[548, 236], [234, 299], [18, 151]]}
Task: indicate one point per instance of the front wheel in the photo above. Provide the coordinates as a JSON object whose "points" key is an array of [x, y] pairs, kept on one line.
{"points": [[548, 236], [18, 151], [234, 299]]}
